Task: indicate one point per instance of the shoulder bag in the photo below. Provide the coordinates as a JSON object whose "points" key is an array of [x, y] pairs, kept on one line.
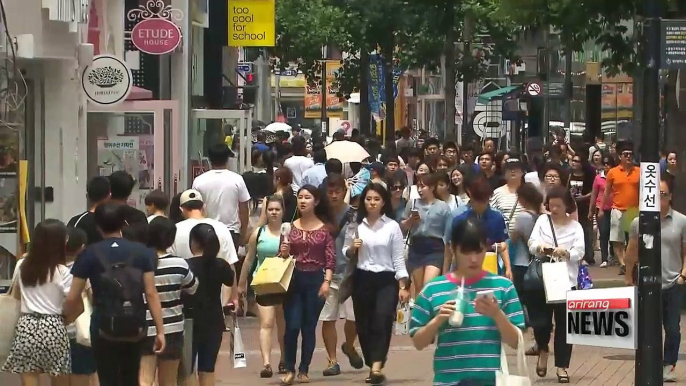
{"points": [[345, 289]]}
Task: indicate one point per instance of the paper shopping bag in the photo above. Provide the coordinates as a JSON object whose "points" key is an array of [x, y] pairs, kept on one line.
{"points": [[83, 322], [237, 348], [491, 263], [503, 376], [555, 282], [402, 319], [273, 276], [10, 310]]}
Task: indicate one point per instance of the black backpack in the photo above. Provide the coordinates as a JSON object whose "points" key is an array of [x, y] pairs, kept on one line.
{"points": [[120, 300]]}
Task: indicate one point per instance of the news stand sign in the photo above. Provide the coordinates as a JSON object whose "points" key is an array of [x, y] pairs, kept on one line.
{"points": [[603, 318]]}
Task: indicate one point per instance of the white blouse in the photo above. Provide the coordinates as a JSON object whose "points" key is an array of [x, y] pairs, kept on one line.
{"points": [[382, 248], [569, 237]]}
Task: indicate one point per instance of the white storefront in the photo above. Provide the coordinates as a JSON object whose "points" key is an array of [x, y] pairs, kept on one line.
{"points": [[48, 130]]}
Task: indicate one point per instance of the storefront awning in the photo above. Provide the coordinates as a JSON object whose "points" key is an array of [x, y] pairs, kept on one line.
{"points": [[138, 94], [497, 94]]}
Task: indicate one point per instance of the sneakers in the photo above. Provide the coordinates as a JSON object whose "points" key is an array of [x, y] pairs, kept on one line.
{"points": [[603, 264], [668, 373], [355, 359], [333, 369]]}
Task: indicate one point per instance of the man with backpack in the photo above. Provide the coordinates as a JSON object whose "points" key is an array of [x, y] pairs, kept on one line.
{"points": [[121, 273]]}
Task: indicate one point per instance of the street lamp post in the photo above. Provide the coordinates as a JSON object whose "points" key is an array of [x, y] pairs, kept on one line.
{"points": [[649, 353]]}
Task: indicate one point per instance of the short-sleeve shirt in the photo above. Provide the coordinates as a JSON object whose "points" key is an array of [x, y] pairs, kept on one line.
{"points": [[599, 186], [672, 245], [523, 225], [434, 218], [115, 250], [471, 351], [625, 187], [494, 222]]}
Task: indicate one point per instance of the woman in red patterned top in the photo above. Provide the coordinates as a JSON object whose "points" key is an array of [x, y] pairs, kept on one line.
{"points": [[311, 244]]}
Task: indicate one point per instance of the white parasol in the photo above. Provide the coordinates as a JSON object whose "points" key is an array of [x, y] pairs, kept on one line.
{"points": [[277, 126], [346, 151]]}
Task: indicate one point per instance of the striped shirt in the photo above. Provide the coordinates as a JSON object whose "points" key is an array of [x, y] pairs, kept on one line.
{"points": [[503, 201], [471, 351], [171, 277]]}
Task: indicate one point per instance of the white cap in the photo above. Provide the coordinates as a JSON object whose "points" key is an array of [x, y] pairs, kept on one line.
{"points": [[190, 195]]}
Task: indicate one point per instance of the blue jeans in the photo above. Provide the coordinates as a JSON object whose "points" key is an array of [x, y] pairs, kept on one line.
{"points": [[301, 309], [671, 318]]}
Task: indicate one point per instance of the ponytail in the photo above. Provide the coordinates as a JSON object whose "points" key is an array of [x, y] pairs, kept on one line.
{"points": [[205, 237]]}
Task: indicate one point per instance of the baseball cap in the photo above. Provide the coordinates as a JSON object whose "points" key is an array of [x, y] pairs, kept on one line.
{"points": [[190, 195], [513, 163]]}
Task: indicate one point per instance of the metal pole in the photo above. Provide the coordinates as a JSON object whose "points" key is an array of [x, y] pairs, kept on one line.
{"points": [[325, 92], [264, 89], [649, 353], [569, 87], [277, 96], [467, 37]]}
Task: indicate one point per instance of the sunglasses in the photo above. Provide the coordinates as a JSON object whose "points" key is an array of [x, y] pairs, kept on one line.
{"points": [[627, 153], [397, 187]]}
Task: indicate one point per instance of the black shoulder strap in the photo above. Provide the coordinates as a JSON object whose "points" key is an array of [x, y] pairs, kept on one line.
{"points": [[259, 232], [552, 228]]}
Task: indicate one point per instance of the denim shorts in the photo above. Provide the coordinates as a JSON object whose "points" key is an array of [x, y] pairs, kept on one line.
{"points": [[82, 359]]}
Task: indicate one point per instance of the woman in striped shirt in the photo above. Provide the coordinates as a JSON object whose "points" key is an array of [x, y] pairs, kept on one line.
{"points": [[172, 276], [469, 353]]}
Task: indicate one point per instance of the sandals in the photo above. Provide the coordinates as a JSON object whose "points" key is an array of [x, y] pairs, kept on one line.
{"points": [[288, 379], [542, 371], [377, 378], [267, 372], [282, 368], [562, 378]]}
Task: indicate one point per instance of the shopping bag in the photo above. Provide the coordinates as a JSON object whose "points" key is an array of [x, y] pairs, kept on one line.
{"points": [[10, 310], [583, 281], [273, 276], [83, 322], [402, 319], [503, 376], [555, 281], [490, 263], [237, 347]]}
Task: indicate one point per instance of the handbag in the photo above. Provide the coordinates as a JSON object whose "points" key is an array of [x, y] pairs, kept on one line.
{"points": [[83, 322], [533, 277], [345, 289], [274, 276], [555, 276], [10, 310], [503, 376], [402, 319]]}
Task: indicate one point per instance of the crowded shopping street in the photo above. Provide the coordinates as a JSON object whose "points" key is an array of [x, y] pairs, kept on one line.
{"points": [[387, 192]]}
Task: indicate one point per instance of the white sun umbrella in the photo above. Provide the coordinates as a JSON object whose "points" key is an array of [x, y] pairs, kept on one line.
{"points": [[277, 126], [346, 151]]}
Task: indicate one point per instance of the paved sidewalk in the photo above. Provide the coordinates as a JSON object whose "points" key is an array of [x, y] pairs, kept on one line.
{"points": [[407, 366]]}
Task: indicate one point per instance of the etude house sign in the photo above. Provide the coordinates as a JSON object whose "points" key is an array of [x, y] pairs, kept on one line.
{"points": [[155, 33], [107, 81]]}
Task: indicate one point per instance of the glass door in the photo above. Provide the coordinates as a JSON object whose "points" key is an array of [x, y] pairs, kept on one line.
{"points": [[219, 126], [141, 138]]}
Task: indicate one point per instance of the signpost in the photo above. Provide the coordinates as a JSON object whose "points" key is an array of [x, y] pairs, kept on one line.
{"points": [[252, 23]]}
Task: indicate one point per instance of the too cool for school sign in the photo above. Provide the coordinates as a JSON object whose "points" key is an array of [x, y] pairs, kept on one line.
{"points": [[603, 318]]}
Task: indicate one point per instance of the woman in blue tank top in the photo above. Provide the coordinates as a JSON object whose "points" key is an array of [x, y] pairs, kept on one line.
{"points": [[264, 244]]}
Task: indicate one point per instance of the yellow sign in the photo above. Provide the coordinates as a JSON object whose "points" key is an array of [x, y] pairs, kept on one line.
{"points": [[252, 23]]}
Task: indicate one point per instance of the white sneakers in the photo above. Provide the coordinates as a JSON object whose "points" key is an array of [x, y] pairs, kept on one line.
{"points": [[668, 373]]}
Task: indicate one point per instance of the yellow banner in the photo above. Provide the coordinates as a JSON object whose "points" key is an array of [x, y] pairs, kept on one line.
{"points": [[313, 95], [252, 23]]}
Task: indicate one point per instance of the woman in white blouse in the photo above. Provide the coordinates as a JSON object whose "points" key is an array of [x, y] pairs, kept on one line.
{"points": [[380, 279], [559, 236]]}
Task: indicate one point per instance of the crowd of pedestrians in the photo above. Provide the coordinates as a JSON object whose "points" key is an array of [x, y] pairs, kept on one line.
{"points": [[415, 224]]}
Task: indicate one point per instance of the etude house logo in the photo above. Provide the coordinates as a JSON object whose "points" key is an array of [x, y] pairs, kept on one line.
{"points": [[107, 81]]}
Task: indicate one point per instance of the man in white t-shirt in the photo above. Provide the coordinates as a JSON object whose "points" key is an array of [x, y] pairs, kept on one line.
{"points": [[225, 195], [192, 205], [299, 162]]}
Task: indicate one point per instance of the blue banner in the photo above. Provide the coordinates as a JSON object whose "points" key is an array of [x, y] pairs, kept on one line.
{"points": [[376, 87], [397, 73]]}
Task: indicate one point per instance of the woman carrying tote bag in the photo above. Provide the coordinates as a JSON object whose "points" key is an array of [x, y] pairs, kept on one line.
{"points": [[559, 237]]}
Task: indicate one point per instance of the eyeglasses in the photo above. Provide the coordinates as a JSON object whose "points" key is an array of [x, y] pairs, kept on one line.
{"points": [[627, 153], [552, 177]]}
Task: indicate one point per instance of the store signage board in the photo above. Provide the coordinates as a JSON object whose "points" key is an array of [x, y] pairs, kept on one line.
{"points": [[156, 36], [252, 23], [107, 81], [673, 41], [534, 89]]}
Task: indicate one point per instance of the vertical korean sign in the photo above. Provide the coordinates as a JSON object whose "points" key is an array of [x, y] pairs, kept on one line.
{"points": [[334, 105], [650, 187], [252, 23], [376, 86]]}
